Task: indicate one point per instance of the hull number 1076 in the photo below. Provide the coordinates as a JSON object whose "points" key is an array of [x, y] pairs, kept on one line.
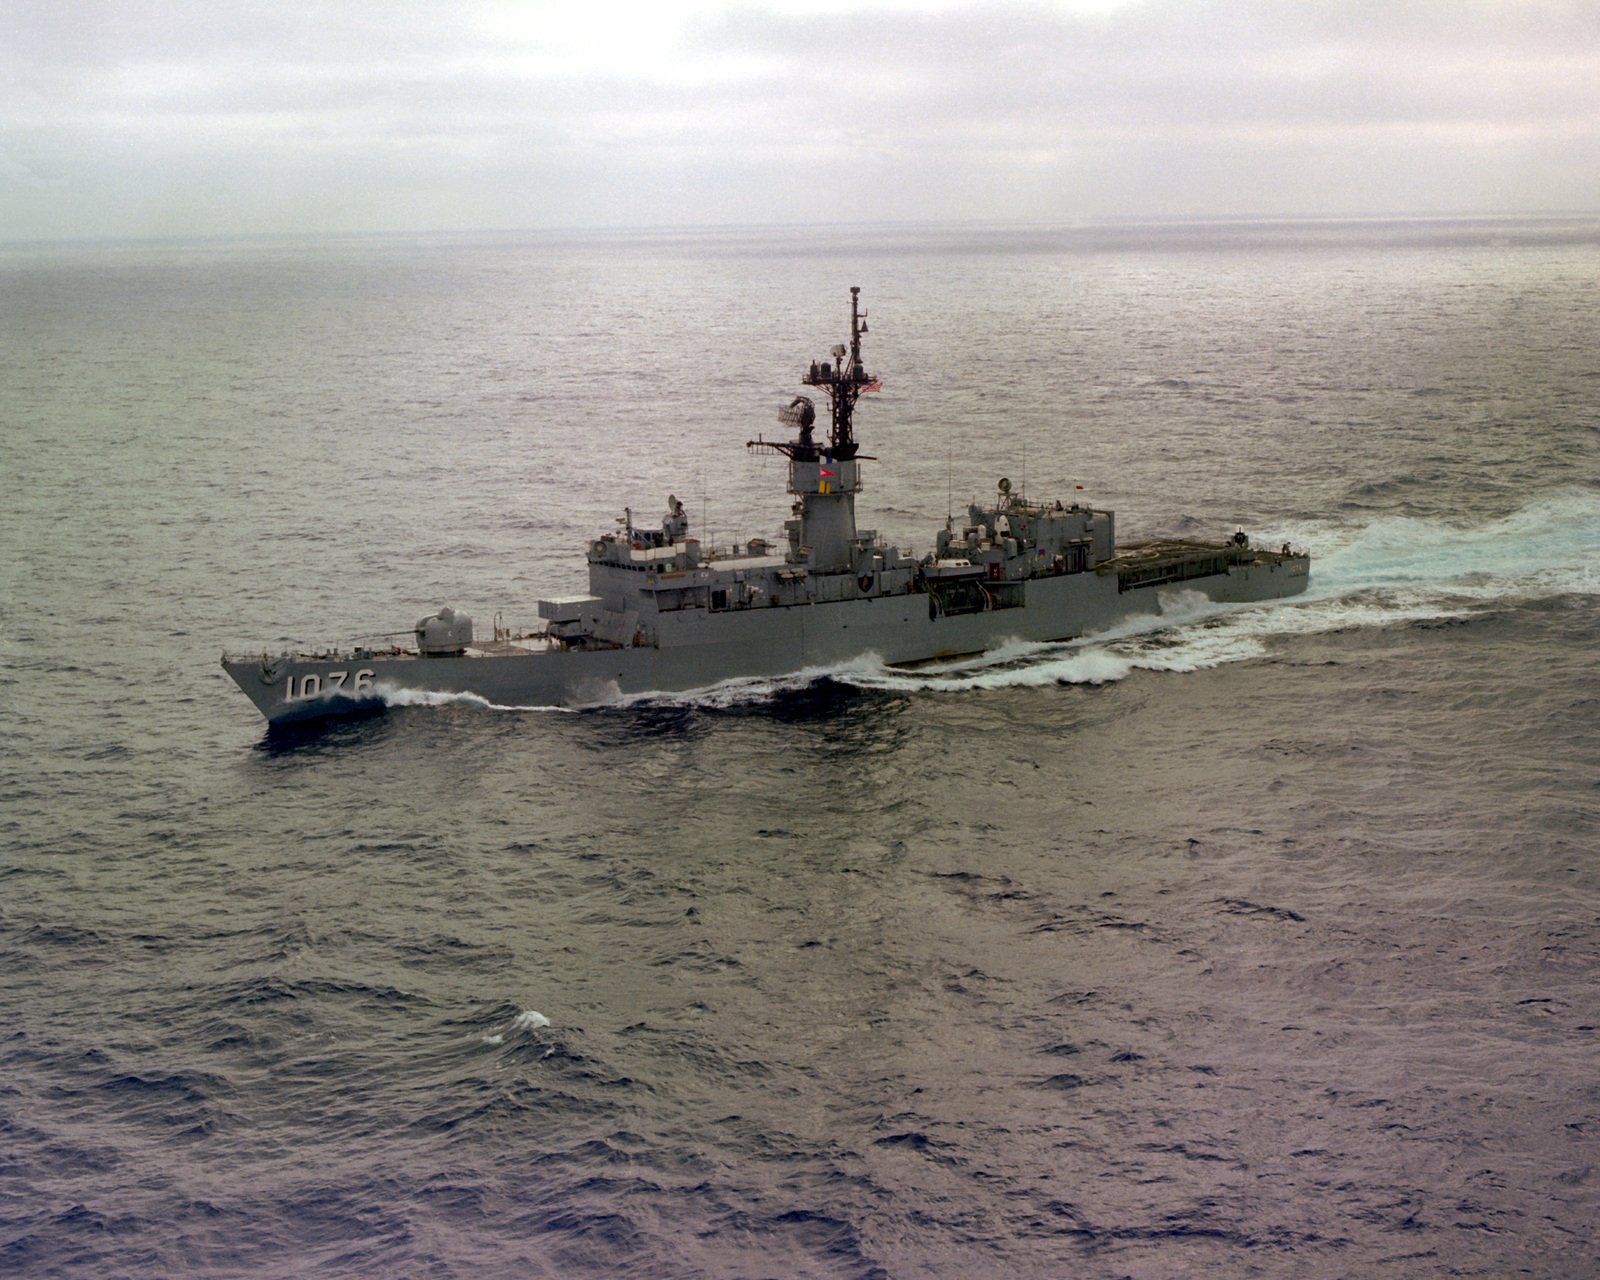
{"points": [[313, 685]]}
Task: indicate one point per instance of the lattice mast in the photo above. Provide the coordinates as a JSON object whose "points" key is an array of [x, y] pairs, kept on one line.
{"points": [[826, 477]]}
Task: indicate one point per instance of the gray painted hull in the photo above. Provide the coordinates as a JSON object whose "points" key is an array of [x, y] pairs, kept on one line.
{"points": [[697, 648]]}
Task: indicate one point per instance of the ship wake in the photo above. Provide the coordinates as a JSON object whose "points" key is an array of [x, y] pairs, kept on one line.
{"points": [[1389, 572], [393, 696], [1548, 547]]}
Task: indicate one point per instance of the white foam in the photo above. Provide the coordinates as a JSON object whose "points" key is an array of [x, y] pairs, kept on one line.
{"points": [[1551, 546], [395, 696], [748, 690], [527, 1020]]}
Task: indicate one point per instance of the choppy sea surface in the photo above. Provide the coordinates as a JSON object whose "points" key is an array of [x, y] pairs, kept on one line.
{"points": [[1264, 944]]}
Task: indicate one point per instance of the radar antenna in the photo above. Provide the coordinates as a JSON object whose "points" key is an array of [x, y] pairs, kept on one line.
{"points": [[844, 379]]}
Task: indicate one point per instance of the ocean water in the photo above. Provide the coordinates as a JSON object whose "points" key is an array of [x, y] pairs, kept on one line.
{"points": [[1263, 943]]}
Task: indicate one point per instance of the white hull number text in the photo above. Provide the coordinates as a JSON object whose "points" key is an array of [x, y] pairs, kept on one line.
{"points": [[314, 686]]}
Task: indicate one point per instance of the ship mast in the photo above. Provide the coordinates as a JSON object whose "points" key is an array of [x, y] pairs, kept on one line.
{"points": [[844, 379], [825, 478]]}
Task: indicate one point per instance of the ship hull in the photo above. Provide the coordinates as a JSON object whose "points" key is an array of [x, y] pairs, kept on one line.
{"points": [[696, 648]]}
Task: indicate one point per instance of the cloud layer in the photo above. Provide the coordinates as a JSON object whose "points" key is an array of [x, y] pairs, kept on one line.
{"points": [[226, 117]]}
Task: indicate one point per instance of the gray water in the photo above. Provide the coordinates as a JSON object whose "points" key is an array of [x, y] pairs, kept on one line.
{"points": [[1263, 944]]}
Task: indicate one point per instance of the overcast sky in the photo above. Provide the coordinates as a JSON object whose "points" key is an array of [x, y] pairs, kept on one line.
{"points": [[166, 117]]}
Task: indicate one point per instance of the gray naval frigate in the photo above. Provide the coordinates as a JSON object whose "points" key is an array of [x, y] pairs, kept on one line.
{"points": [[666, 613]]}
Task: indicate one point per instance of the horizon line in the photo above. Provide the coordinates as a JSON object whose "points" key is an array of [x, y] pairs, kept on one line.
{"points": [[689, 228]]}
